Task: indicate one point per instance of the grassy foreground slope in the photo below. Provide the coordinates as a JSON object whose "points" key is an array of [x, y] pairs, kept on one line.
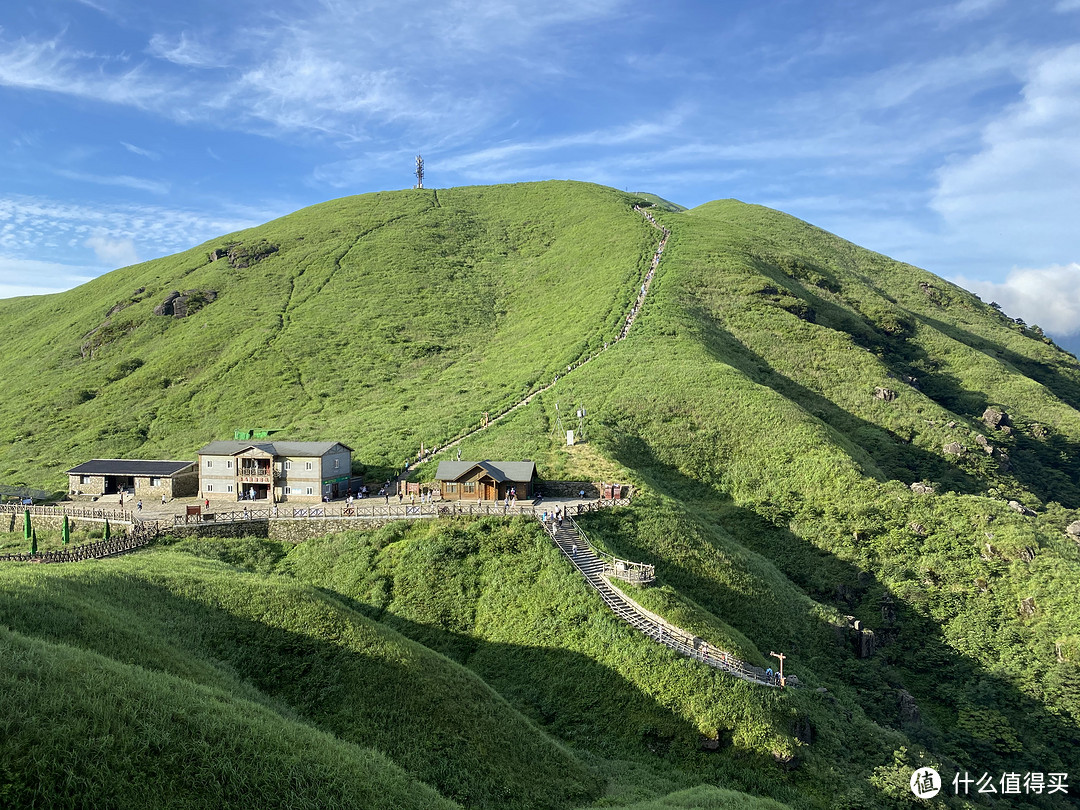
{"points": [[83, 730], [382, 320], [302, 655]]}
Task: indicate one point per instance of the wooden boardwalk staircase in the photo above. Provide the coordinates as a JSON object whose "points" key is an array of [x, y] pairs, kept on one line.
{"points": [[599, 568]]}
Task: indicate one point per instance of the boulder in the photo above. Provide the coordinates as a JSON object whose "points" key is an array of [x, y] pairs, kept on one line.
{"points": [[886, 394], [920, 488], [917, 529], [1027, 554], [909, 709], [1027, 607], [981, 440], [953, 449], [1073, 530], [1038, 431], [1016, 506], [995, 417]]}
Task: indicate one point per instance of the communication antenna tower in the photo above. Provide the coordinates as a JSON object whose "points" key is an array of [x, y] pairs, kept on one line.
{"points": [[558, 430], [419, 171]]}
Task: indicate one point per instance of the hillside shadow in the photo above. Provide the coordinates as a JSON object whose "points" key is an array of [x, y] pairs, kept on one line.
{"points": [[948, 688], [894, 456], [444, 728]]}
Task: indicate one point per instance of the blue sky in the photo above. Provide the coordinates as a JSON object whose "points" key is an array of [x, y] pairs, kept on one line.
{"points": [[946, 134]]}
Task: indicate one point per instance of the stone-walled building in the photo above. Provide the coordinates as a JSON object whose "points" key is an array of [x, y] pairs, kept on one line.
{"points": [[274, 471], [150, 479], [485, 480]]}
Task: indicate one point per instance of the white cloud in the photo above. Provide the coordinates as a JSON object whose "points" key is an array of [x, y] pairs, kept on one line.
{"points": [[138, 150], [1049, 296], [123, 180], [113, 252], [1015, 200], [186, 50], [33, 277], [1067, 5]]}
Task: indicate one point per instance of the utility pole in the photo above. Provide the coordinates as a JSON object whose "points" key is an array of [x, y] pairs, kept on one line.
{"points": [[419, 171], [781, 656]]}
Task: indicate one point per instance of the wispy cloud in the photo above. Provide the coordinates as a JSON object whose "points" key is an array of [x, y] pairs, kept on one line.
{"points": [[122, 180], [138, 150], [187, 50]]}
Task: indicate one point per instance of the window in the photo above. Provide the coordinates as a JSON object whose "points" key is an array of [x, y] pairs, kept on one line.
{"points": [[209, 463], [84, 479], [469, 486], [337, 463], [155, 482], [310, 491], [209, 487], [229, 488], [288, 490], [308, 466], [450, 488], [288, 465], [228, 465]]}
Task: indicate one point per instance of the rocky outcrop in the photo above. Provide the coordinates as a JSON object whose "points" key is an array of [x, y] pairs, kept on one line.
{"points": [[995, 418], [917, 529], [1016, 506], [886, 394], [241, 255], [1073, 530], [181, 304], [908, 708], [953, 449], [1027, 607], [922, 488]]}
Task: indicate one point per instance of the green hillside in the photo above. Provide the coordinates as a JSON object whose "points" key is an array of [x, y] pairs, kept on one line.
{"points": [[774, 402]]}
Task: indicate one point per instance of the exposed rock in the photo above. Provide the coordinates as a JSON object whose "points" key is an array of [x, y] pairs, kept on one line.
{"points": [[888, 610], [139, 291], [181, 304], [722, 739], [1004, 462], [1027, 554], [886, 394], [1027, 607], [995, 417], [788, 762], [953, 449], [1038, 431], [909, 709], [912, 381], [917, 529], [981, 440], [951, 424], [1016, 506], [1006, 429], [920, 488], [861, 638], [1073, 530]]}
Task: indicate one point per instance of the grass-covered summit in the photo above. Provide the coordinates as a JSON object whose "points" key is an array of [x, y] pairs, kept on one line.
{"points": [[775, 401]]}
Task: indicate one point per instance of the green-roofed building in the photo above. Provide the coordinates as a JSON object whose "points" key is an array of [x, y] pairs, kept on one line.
{"points": [[274, 470]]}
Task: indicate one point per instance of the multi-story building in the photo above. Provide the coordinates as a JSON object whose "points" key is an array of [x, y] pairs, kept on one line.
{"points": [[274, 470]]}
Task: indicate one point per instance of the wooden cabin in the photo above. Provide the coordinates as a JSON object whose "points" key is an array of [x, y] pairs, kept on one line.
{"points": [[486, 480]]}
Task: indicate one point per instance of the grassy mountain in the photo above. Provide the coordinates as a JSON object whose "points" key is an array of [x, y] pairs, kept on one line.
{"points": [[779, 394]]}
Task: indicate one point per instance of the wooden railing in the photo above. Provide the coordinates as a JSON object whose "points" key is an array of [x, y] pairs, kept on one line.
{"points": [[372, 510], [84, 513], [626, 570], [142, 532]]}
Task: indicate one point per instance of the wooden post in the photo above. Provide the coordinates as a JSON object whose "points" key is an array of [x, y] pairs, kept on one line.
{"points": [[780, 656]]}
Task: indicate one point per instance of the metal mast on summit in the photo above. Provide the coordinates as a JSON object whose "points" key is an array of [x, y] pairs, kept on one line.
{"points": [[419, 172]]}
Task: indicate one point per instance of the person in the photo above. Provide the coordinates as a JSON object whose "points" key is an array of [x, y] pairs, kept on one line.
{"points": [[139, 505], [206, 503], [400, 495], [459, 454], [121, 497], [573, 549], [163, 500], [768, 675], [386, 494]]}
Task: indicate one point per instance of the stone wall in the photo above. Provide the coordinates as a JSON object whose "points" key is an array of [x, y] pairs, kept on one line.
{"points": [[250, 528], [571, 489], [95, 486], [297, 531]]}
